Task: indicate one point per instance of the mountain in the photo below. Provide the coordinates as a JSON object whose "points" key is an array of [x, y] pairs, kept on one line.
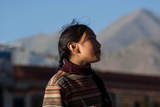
{"points": [[40, 43], [40, 49], [139, 24], [142, 57], [129, 45]]}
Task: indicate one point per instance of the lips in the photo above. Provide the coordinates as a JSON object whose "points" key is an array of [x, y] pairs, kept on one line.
{"points": [[98, 52]]}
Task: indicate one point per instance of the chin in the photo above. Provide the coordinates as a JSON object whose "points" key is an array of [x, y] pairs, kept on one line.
{"points": [[96, 60]]}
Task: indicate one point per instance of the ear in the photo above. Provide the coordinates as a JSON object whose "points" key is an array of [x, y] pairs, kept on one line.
{"points": [[73, 47]]}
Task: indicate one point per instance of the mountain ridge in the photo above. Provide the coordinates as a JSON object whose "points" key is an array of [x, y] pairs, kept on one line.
{"points": [[139, 24], [128, 44]]}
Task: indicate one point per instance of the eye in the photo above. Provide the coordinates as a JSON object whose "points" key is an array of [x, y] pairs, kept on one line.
{"points": [[92, 38]]}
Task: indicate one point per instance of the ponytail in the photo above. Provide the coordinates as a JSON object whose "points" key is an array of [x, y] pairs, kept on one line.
{"points": [[60, 62], [105, 95], [63, 54]]}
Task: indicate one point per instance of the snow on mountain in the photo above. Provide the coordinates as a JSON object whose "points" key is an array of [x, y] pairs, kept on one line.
{"points": [[139, 24]]}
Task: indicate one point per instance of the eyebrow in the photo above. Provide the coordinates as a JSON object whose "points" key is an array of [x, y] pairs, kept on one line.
{"points": [[92, 35], [88, 35]]}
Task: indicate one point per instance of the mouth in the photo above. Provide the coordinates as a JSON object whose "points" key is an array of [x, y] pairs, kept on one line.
{"points": [[98, 52]]}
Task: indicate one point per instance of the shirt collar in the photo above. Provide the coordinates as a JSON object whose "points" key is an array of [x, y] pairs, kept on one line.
{"points": [[72, 68]]}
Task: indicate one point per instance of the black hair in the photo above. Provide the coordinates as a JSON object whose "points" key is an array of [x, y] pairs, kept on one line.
{"points": [[71, 33], [106, 98]]}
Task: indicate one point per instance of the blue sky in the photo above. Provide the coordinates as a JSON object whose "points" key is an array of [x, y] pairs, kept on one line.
{"points": [[24, 18]]}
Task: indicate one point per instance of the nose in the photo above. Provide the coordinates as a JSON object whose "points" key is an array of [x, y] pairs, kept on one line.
{"points": [[98, 44]]}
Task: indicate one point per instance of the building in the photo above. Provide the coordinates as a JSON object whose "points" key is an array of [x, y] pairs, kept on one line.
{"points": [[26, 84], [133, 90], [25, 87]]}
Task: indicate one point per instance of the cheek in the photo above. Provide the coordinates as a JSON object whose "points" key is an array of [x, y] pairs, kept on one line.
{"points": [[90, 49], [87, 49]]}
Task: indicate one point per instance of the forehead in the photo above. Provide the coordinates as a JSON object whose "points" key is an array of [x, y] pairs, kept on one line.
{"points": [[86, 35]]}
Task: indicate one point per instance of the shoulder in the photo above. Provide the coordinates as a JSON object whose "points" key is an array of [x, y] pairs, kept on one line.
{"points": [[55, 77], [60, 79]]}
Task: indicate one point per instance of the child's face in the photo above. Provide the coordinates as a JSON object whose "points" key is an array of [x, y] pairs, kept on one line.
{"points": [[89, 48]]}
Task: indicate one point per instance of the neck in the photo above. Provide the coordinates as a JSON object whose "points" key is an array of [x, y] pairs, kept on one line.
{"points": [[77, 62], [73, 68]]}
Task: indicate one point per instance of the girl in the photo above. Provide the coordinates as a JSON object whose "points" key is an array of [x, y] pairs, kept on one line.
{"points": [[76, 84]]}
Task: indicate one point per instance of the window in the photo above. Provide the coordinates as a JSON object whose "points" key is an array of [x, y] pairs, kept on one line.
{"points": [[18, 102], [37, 100], [156, 104], [134, 100], [156, 101], [136, 104], [113, 98], [1, 97]]}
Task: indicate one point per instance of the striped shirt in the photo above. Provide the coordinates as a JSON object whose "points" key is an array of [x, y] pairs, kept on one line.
{"points": [[67, 89]]}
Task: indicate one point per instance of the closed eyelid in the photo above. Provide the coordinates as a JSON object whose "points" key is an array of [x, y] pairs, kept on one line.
{"points": [[92, 37], [87, 37]]}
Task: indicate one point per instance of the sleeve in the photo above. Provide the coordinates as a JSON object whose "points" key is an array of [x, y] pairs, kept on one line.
{"points": [[53, 96]]}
